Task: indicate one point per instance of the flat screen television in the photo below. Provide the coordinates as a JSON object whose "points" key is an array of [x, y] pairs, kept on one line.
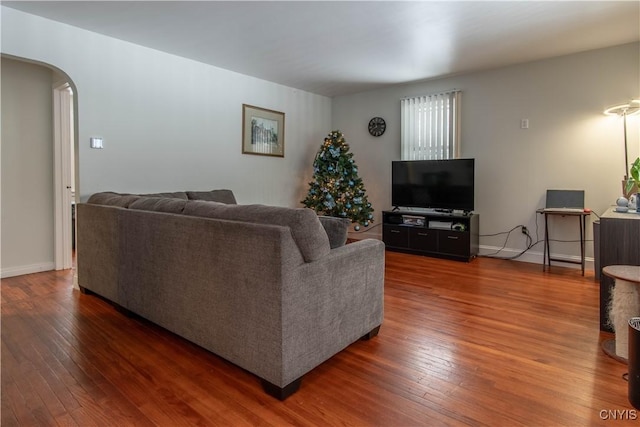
{"points": [[437, 184]]}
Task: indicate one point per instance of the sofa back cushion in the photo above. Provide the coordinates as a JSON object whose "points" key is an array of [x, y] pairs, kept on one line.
{"points": [[124, 199], [337, 230], [112, 199], [158, 204], [306, 229], [220, 196], [172, 195]]}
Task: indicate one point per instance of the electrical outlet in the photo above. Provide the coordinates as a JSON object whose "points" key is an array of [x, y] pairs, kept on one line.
{"points": [[524, 229]]}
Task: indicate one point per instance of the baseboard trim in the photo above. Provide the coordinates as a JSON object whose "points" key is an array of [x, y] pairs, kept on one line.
{"points": [[26, 269], [536, 257]]}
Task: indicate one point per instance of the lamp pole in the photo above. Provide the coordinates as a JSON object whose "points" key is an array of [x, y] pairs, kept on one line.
{"points": [[626, 158]]}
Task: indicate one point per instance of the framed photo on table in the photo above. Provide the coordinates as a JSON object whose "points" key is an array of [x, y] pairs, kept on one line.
{"points": [[262, 131]]}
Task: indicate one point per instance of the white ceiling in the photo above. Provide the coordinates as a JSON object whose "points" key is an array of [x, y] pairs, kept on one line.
{"points": [[336, 48]]}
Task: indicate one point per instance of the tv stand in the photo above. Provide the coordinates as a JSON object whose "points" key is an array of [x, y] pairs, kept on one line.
{"points": [[439, 234]]}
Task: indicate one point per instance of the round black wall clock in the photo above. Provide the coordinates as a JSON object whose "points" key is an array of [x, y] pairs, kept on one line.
{"points": [[377, 126]]}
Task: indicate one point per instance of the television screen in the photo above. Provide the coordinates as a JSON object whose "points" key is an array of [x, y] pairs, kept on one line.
{"points": [[437, 184]]}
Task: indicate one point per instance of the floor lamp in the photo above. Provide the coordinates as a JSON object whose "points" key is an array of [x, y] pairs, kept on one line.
{"points": [[624, 110]]}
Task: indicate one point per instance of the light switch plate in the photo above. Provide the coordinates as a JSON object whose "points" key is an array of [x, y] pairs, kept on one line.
{"points": [[96, 142]]}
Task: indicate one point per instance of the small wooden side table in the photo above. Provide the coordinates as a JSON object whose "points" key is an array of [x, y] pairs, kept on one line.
{"points": [[625, 304], [582, 222]]}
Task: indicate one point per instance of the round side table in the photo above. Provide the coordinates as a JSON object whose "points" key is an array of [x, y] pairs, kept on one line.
{"points": [[625, 304]]}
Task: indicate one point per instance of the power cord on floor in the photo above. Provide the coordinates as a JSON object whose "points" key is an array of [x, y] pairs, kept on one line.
{"points": [[525, 231], [530, 242]]}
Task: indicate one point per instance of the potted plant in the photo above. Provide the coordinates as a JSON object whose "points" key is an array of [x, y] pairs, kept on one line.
{"points": [[633, 182]]}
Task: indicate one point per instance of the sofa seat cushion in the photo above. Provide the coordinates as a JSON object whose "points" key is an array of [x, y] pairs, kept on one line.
{"points": [[306, 229], [159, 204], [220, 196]]}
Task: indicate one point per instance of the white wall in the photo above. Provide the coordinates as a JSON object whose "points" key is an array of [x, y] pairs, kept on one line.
{"points": [[170, 123], [27, 168], [570, 144]]}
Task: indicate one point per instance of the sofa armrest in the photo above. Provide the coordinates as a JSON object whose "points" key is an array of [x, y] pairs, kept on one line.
{"points": [[99, 246], [330, 303]]}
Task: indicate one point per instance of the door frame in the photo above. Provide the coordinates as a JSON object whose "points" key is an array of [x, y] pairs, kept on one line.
{"points": [[63, 144]]}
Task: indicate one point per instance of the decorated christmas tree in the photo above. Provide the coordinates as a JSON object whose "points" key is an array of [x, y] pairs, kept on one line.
{"points": [[336, 190]]}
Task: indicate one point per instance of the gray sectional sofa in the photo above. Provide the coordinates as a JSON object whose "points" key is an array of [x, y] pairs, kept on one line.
{"points": [[273, 290]]}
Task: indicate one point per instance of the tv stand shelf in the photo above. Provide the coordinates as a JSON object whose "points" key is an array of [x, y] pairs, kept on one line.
{"points": [[444, 235]]}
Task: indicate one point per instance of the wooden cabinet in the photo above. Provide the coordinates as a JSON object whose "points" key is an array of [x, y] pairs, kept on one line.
{"points": [[619, 245], [446, 235]]}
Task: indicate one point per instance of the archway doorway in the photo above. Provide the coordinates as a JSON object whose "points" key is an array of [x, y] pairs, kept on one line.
{"points": [[34, 224]]}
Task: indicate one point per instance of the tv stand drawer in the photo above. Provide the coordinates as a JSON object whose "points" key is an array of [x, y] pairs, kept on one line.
{"points": [[423, 239], [453, 242], [395, 236]]}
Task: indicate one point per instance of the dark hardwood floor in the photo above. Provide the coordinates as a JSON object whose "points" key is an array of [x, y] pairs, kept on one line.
{"points": [[491, 342]]}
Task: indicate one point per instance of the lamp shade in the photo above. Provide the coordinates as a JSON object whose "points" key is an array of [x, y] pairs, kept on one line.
{"points": [[625, 110], [630, 109]]}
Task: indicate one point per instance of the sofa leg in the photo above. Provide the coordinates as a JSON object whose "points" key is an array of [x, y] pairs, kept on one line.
{"points": [[371, 333], [85, 291], [128, 313], [281, 393]]}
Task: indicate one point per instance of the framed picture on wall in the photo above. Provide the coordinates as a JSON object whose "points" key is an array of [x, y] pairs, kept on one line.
{"points": [[262, 131]]}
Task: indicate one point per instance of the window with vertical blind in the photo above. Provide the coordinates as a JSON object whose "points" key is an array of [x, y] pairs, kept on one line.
{"points": [[431, 126]]}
